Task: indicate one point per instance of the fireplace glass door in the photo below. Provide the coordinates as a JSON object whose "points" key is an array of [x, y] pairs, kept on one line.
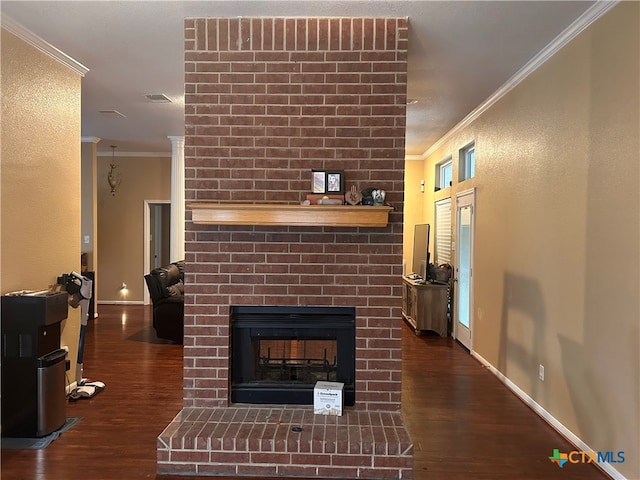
{"points": [[303, 361], [279, 353]]}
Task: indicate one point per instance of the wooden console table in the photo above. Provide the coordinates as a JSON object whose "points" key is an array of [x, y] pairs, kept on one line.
{"points": [[425, 305]]}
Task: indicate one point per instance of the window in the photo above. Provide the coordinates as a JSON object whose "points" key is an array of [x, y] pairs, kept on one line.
{"points": [[443, 232], [467, 162], [444, 174]]}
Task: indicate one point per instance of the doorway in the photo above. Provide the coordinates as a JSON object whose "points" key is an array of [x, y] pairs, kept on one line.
{"points": [[157, 237], [465, 220]]}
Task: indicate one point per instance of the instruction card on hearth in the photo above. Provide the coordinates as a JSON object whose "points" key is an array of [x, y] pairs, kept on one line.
{"points": [[327, 398]]}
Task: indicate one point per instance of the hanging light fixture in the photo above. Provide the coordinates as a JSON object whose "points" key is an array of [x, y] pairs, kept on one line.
{"points": [[113, 177]]}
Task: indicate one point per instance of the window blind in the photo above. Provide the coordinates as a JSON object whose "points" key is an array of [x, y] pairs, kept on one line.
{"points": [[443, 232]]}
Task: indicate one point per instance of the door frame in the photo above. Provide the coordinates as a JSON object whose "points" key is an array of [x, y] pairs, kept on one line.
{"points": [[463, 199], [147, 241]]}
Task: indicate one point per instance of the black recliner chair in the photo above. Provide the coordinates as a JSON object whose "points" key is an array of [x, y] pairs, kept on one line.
{"points": [[166, 289]]}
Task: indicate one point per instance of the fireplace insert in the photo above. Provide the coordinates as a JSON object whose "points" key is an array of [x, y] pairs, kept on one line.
{"points": [[279, 353]]}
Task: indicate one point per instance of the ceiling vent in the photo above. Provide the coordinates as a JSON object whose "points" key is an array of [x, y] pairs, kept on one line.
{"points": [[158, 98], [112, 113]]}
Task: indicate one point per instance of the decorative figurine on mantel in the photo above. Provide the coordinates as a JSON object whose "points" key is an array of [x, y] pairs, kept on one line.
{"points": [[378, 197], [353, 196], [329, 201]]}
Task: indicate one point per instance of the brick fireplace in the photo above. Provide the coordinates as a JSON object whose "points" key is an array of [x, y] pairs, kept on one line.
{"points": [[266, 101]]}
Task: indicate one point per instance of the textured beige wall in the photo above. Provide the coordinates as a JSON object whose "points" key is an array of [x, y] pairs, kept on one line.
{"points": [[121, 223], [414, 206], [40, 179], [557, 234]]}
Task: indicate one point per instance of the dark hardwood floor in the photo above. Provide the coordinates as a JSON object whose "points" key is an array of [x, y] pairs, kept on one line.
{"points": [[464, 423]]}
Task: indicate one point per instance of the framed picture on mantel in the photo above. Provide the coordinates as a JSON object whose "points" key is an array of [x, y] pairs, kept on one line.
{"points": [[318, 181], [327, 181], [335, 181]]}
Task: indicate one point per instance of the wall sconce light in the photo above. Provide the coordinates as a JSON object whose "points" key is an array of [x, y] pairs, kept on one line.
{"points": [[113, 177]]}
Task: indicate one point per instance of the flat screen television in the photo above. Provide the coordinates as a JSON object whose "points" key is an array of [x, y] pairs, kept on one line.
{"points": [[421, 254]]}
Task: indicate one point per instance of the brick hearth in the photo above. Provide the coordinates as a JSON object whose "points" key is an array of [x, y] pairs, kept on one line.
{"points": [[260, 441], [266, 101]]}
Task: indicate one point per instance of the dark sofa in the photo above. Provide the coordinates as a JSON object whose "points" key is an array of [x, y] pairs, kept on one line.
{"points": [[166, 289]]}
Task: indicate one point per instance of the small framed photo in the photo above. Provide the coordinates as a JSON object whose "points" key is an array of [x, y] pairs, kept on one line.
{"points": [[327, 181], [318, 181], [335, 181]]}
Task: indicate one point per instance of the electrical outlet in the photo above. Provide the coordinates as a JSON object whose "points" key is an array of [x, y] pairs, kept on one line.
{"points": [[541, 372]]}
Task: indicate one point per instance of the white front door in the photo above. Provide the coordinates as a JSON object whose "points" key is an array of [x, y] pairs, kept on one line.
{"points": [[465, 203]]}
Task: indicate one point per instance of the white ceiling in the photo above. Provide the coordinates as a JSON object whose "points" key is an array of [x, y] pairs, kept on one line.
{"points": [[460, 52]]}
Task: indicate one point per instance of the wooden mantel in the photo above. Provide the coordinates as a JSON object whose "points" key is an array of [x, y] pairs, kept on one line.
{"points": [[206, 213]]}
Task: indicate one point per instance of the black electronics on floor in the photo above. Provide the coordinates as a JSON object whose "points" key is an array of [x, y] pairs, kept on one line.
{"points": [[33, 364]]}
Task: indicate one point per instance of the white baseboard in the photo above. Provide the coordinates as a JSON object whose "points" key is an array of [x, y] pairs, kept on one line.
{"points": [[71, 387], [547, 417]]}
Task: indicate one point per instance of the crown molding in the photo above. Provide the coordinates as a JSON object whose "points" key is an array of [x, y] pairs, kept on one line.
{"points": [[593, 13], [34, 40], [414, 157], [90, 139], [134, 154]]}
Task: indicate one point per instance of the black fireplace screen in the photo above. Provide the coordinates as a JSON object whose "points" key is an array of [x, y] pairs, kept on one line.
{"points": [[279, 353]]}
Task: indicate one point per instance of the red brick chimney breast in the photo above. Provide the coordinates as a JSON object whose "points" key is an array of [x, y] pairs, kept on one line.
{"points": [[266, 101]]}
